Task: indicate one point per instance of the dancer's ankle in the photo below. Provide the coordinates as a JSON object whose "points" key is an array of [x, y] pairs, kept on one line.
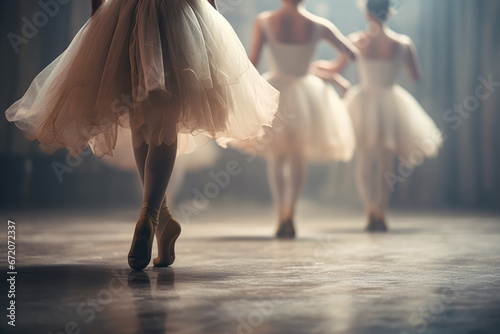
{"points": [[165, 214], [150, 212], [379, 214]]}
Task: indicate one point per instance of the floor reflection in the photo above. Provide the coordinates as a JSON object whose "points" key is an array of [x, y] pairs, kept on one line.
{"points": [[152, 312]]}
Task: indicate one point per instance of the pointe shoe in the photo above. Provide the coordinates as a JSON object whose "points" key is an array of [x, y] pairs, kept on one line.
{"points": [[166, 235], [376, 224], [286, 230], [139, 255]]}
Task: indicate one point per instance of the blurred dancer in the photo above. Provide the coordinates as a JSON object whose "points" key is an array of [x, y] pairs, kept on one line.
{"points": [[167, 70], [312, 121], [388, 121]]}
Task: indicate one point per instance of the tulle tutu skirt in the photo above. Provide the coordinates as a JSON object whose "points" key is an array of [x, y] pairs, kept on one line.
{"points": [[311, 119], [163, 69], [391, 120]]}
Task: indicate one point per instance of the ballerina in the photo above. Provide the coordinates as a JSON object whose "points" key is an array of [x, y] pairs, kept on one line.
{"points": [[387, 120], [313, 123], [173, 73]]}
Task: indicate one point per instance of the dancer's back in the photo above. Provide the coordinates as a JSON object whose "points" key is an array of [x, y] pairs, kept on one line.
{"points": [[381, 61], [291, 54], [390, 52], [292, 27]]}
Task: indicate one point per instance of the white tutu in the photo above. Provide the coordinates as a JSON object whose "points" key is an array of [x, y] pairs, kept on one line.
{"points": [[311, 116], [386, 117], [166, 69]]}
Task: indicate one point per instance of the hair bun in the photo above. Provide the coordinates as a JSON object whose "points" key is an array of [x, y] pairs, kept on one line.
{"points": [[380, 9]]}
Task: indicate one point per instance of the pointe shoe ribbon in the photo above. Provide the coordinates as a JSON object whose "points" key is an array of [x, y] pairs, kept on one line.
{"points": [[150, 213]]}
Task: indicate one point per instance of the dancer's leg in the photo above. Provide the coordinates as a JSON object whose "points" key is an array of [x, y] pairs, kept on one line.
{"points": [[364, 181], [141, 150], [294, 179], [168, 228], [365, 178], [157, 172], [385, 164], [276, 175], [298, 172], [140, 155]]}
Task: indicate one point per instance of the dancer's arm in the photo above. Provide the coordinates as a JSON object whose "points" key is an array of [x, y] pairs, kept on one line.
{"points": [[96, 4], [258, 41], [412, 63], [339, 41], [212, 2], [334, 66], [341, 82], [339, 64], [332, 77]]}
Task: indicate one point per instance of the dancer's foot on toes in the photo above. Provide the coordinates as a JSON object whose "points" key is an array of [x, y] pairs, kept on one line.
{"points": [[142, 244], [286, 230], [166, 235], [376, 224]]}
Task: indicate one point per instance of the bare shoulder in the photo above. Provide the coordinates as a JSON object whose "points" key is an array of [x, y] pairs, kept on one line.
{"points": [[358, 37], [403, 40], [263, 16], [318, 20]]}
